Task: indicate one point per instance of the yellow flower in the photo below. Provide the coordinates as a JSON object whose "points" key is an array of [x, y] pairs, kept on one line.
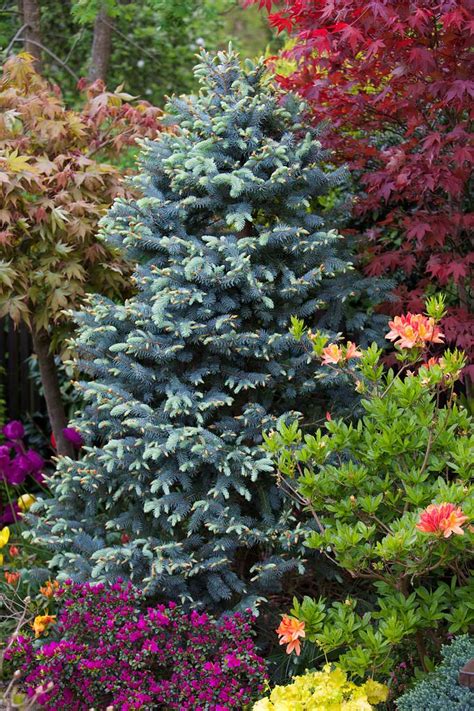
{"points": [[41, 623], [4, 536], [26, 501], [376, 693], [1, 558], [263, 705]]}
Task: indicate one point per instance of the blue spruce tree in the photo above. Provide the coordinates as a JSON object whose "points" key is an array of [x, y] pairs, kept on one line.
{"points": [[173, 489]]}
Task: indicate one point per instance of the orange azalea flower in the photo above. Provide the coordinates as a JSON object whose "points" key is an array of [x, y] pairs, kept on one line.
{"points": [[331, 354], [431, 362], [414, 330], [352, 351], [442, 519], [12, 578], [41, 623], [289, 631], [49, 588]]}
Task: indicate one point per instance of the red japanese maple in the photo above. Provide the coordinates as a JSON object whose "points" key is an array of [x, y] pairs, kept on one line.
{"points": [[394, 81]]}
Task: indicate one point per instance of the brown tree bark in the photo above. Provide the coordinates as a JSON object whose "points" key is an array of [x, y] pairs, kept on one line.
{"points": [[52, 392], [101, 46], [30, 14]]}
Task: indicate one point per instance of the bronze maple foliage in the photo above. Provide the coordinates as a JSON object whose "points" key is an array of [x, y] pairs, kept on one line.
{"points": [[55, 185]]}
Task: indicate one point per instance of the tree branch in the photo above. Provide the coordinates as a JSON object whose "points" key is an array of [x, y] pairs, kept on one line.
{"points": [[16, 38], [153, 55], [51, 54]]}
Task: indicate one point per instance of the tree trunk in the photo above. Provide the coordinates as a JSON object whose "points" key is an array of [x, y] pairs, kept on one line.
{"points": [[101, 46], [52, 392], [31, 18]]}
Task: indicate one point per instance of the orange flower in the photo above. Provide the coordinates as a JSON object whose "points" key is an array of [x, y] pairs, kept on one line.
{"points": [[414, 330], [351, 351], [49, 588], [431, 362], [289, 631], [331, 354], [41, 623], [442, 520], [12, 578]]}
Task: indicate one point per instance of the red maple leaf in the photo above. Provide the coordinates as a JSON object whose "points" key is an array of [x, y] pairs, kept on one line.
{"points": [[393, 82]]}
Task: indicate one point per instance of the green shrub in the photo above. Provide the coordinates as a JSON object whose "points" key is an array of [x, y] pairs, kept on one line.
{"points": [[391, 499], [441, 691]]}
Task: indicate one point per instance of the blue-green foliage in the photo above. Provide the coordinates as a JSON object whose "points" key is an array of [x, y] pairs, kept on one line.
{"points": [[174, 489], [441, 691]]}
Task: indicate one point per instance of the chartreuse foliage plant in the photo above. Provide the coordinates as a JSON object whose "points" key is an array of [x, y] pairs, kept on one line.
{"points": [[391, 498], [441, 689], [324, 690], [174, 489]]}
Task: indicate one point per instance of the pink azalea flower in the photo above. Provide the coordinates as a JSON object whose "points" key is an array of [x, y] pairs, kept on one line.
{"points": [[352, 351], [442, 520], [414, 330], [332, 354]]}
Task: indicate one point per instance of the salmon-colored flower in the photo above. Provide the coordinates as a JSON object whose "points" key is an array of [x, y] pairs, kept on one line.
{"points": [[332, 354], [12, 578], [289, 631], [41, 624], [49, 588], [14, 551], [414, 330], [352, 351], [442, 520], [431, 362]]}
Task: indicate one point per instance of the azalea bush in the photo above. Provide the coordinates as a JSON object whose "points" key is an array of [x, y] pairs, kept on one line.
{"points": [[324, 690], [390, 497], [106, 647]]}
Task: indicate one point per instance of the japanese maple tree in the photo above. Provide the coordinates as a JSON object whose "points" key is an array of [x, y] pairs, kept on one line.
{"points": [[54, 187], [393, 79]]}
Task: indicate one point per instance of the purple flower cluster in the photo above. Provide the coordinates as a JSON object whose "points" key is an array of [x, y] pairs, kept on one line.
{"points": [[17, 463], [109, 648]]}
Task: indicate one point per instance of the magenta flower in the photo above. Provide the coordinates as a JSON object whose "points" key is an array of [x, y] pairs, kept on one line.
{"points": [[4, 453], [73, 436], [10, 514], [115, 650], [232, 661], [35, 460], [13, 430]]}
